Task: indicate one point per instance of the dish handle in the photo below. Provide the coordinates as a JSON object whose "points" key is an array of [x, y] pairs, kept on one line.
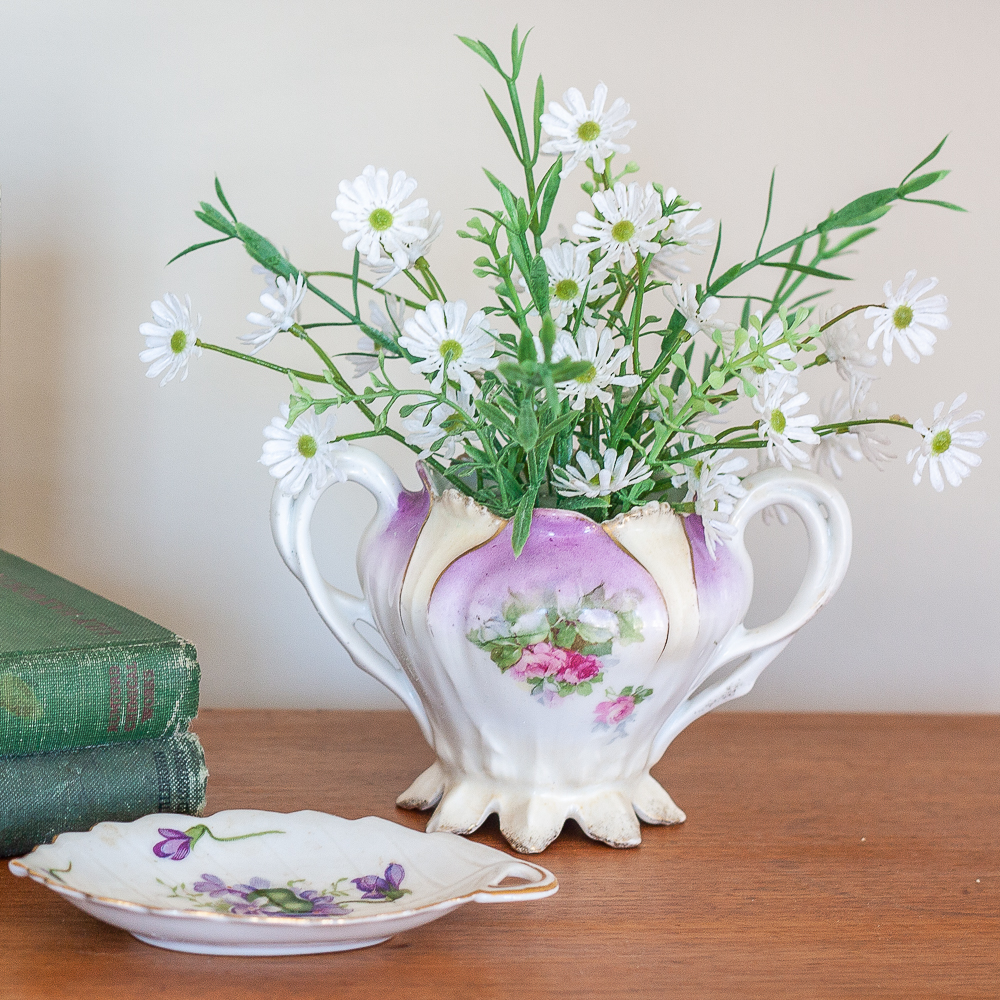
{"points": [[541, 883]]}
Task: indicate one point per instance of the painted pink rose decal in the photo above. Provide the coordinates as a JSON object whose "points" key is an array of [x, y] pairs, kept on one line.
{"points": [[561, 650], [619, 706], [613, 712], [578, 668], [539, 660]]}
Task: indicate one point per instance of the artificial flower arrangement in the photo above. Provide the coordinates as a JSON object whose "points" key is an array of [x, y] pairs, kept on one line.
{"points": [[600, 378]]}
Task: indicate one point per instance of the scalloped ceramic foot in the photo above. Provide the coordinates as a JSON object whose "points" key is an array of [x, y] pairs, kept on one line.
{"points": [[530, 823], [653, 805], [426, 791]]}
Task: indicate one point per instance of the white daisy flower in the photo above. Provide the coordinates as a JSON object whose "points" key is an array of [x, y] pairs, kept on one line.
{"points": [[874, 445], [594, 480], [714, 487], [604, 360], [685, 235], [445, 422], [631, 220], [437, 331], [905, 319], [581, 133], [171, 340], [698, 318], [844, 346], [387, 267], [780, 424], [304, 451], [569, 271], [373, 213], [832, 448], [282, 307], [390, 325], [944, 445]]}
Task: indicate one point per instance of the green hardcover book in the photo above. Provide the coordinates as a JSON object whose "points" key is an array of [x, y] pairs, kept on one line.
{"points": [[78, 670], [49, 793]]}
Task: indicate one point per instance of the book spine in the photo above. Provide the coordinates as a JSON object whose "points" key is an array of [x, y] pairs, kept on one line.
{"points": [[51, 793], [114, 694]]}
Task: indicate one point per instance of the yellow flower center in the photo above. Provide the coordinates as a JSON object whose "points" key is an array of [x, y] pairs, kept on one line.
{"points": [[452, 347], [567, 290], [178, 341], [902, 317], [380, 219], [588, 376], [623, 231], [941, 442], [778, 421], [307, 446], [588, 131]]}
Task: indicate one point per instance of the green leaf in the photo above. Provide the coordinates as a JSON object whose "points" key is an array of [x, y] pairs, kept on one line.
{"points": [[538, 282], [940, 204], [526, 428], [483, 51], [567, 369], [519, 249], [211, 216], [539, 109], [496, 417], [526, 348], [522, 520], [222, 198], [509, 201], [858, 234], [265, 252], [716, 379], [583, 503], [927, 159], [720, 282], [498, 114], [861, 211], [198, 246], [547, 334], [805, 269], [921, 182], [767, 216], [549, 198]]}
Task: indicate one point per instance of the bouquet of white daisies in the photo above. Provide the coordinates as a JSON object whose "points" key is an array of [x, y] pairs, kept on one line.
{"points": [[599, 376]]}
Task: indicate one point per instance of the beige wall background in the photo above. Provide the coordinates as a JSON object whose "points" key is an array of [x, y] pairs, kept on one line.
{"points": [[114, 119]]}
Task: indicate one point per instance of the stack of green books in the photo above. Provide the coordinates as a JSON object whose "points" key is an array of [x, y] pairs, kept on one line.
{"points": [[95, 702]]}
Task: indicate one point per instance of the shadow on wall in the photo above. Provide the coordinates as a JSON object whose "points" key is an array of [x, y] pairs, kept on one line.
{"points": [[33, 415]]}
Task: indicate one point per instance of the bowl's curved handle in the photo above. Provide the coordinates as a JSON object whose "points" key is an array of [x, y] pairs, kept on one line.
{"points": [[540, 882], [291, 518], [827, 520]]}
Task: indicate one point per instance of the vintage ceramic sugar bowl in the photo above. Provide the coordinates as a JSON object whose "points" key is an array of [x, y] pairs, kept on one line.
{"points": [[550, 683]]}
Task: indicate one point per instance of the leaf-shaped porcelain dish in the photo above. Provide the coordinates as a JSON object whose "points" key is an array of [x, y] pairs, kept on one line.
{"points": [[249, 882]]}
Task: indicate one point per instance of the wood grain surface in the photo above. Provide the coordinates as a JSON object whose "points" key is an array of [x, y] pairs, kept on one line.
{"points": [[823, 856]]}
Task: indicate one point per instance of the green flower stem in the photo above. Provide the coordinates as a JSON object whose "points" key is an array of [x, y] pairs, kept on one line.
{"points": [[304, 376], [825, 429], [636, 317], [343, 310], [847, 312], [361, 281], [429, 294], [425, 269]]}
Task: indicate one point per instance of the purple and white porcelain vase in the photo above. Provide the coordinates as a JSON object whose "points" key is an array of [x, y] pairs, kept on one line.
{"points": [[548, 685]]}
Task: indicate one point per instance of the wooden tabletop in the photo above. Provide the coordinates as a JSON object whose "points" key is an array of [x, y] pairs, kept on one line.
{"points": [[824, 856]]}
